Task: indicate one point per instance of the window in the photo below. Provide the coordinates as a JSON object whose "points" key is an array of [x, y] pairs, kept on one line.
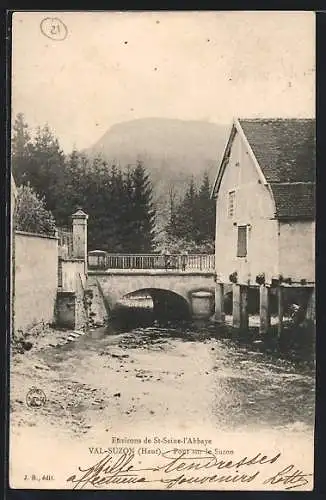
{"points": [[242, 241], [231, 204]]}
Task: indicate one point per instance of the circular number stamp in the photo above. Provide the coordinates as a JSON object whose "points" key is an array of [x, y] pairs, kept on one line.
{"points": [[54, 28], [35, 398]]}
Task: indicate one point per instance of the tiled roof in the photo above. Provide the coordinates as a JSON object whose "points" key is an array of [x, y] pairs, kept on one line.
{"points": [[294, 201], [286, 153]]}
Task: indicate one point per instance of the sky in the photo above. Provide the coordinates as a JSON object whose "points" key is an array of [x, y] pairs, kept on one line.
{"points": [[113, 67]]}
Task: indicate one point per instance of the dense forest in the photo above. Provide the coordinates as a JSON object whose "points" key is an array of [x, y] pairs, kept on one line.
{"points": [[118, 199]]}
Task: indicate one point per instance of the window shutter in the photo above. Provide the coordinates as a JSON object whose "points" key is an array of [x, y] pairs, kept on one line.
{"points": [[242, 241], [231, 204]]}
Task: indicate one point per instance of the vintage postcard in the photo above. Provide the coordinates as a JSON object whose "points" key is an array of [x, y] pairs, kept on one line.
{"points": [[163, 257]]}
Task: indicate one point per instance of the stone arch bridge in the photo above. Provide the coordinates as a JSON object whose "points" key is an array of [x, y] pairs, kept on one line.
{"points": [[190, 291]]}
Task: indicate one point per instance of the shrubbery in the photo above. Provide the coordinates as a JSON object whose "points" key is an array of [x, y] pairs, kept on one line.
{"points": [[30, 213]]}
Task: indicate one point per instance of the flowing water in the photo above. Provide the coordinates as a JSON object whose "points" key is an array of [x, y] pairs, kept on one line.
{"points": [[244, 381], [126, 375]]}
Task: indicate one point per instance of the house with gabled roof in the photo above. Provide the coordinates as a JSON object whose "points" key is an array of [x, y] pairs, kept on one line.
{"points": [[265, 202]]}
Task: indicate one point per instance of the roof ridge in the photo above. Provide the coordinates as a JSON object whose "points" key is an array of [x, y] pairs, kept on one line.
{"points": [[279, 118], [286, 183]]}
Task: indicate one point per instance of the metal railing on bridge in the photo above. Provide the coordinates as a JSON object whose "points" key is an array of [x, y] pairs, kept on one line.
{"points": [[102, 260]]}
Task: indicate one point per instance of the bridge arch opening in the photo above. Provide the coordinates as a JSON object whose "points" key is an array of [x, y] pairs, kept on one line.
{"points": [[149, 305]]}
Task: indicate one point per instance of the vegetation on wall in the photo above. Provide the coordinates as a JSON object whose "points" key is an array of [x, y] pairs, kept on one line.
{"points": [[30, 214]]}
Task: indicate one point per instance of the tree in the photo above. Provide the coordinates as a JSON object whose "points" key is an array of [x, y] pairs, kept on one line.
{"points": [[120, 208], [191, 225], [186, 217], [68, 188], [48, 166], [20, 149], [142, 211], [108, 207], [21, 136], [127, 211], [39, 161], [206, 211], [171, 226], [31, 214], [95, 191]]}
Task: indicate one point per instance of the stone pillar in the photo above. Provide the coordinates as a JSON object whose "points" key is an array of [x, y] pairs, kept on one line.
{"points": [[219, 303], [240, 307], [264, 309], [79, 236], [202, 304]]}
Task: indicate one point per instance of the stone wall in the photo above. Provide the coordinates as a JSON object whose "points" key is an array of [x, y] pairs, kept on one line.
{"points": [[36, 279], [72, 271], [81, 316], [115, 284], [71, 310]]}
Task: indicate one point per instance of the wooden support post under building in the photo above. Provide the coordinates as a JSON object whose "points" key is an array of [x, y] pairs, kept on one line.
{"points": [[240, 307], [264, 309], [244, 307], [280, 310], [236, 306], [311, 307], [219, 303]]}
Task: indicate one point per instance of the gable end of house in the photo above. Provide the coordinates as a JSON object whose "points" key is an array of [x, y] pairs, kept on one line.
{"points": [[283, 153]]}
